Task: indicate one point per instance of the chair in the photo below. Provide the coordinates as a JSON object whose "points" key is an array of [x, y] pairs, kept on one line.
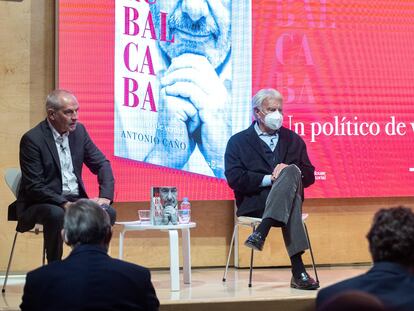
{"points": [[13, 177], [253, 223]]}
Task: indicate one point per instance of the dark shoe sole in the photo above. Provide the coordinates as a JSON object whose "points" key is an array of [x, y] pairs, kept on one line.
{"points": [[310, 287], [252, 246]]}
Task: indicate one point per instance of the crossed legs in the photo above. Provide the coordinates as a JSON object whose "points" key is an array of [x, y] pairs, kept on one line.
{"points": [[284, 209]]}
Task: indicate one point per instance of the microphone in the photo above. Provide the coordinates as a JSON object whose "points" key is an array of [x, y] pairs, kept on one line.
{"points": [[60, 142]]}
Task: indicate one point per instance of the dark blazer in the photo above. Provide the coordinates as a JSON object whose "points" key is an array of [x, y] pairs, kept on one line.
{"points": [[89, 279], [246, 165], [390, 282], [41, 172]]}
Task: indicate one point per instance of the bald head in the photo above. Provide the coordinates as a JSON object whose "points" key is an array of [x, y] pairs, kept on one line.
{"points": [[62, 110], [56, 98]]}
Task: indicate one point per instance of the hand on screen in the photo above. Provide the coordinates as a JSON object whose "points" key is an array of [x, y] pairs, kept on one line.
{"points": [[192, 77], [177, 119]]}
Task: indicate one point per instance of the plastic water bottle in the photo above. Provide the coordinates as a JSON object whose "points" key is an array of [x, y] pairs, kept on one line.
{"points": [[184, 214]]}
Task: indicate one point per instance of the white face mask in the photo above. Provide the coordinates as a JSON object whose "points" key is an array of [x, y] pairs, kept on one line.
{"points": [[273, 120]]}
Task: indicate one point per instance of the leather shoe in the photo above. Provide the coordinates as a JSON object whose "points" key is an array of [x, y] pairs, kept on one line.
{"points": [[304, 281], [255, 241]]}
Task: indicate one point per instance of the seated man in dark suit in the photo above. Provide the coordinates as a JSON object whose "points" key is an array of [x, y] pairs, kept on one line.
{"points": [[267, 166], [52, 155], [88, 279], [391, 279]]}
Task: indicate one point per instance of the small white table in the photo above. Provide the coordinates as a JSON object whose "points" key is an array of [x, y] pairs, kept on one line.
{"points": [[174, 249]]}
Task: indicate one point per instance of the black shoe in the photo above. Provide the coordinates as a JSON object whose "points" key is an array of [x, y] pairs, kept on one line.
{"points": [[304, 281], [255, 241]]}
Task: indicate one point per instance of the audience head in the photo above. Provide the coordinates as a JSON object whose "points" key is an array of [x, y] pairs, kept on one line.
{"points": [[391, 237], [353, 300], [86, 222]]}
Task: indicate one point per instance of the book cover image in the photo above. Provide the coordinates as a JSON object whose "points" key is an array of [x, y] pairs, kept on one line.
{"points": [[176, 102], [164, 205]]}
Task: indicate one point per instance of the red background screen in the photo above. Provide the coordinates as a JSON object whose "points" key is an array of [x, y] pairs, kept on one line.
{"points": [[345, 68]]}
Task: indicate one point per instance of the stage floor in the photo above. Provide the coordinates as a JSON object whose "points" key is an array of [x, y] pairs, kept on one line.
{"points": [[270, 287]]}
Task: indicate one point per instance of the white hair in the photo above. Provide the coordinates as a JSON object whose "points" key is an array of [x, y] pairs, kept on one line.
{"points": [[264, 94]]}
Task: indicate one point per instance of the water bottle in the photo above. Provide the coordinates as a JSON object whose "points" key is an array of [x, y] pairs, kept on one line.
{"points": [[184, 213]]}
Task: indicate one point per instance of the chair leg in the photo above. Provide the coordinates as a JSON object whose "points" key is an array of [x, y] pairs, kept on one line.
{"points": [[311, 252], [251, 262], [9, 264], [228, 257], [44, 253]]}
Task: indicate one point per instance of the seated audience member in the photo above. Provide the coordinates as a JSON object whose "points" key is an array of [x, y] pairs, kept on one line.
{"points": [[52, 155], [353, 301], [267, 166], [88, 279], [391, 279]]}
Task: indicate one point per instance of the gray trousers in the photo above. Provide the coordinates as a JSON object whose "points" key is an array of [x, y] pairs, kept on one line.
{"points": [[284, 204]]}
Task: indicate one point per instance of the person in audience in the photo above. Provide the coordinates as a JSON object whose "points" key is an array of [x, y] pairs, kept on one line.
{"points": [[391, 279], [88, 279], [267, 166], [52, 155], [353, 301]]}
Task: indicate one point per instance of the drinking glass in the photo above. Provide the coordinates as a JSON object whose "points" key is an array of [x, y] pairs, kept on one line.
{"points": [[145, 216]]}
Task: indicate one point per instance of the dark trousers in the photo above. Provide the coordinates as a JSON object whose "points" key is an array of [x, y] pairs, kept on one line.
{"points": [[51, 217]]}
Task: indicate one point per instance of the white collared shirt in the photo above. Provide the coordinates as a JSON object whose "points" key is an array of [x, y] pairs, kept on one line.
{"points": [[270, 139], [267, 138], [69, 180]]}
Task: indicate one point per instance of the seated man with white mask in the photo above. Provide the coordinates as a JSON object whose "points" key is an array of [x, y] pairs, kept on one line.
{"points": [[267, 166]]}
